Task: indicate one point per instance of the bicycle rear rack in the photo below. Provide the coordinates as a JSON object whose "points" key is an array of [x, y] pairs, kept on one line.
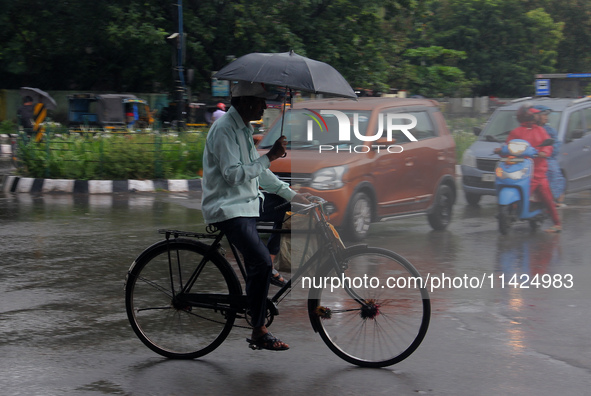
{"points": [[178, 233]]}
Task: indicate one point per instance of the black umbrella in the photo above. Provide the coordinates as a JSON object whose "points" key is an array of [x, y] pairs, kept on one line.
{"points": [[39, 96], [290, 70]]}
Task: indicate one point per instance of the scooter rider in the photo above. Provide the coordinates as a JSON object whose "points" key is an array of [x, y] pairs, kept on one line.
{"points": [[555, 178], [535, 135]]}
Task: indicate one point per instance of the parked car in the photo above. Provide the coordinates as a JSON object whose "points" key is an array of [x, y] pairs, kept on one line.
{"points": [[571, 119], [364, 180]]}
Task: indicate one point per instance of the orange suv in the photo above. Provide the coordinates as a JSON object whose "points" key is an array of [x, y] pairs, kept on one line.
{"points": [[371, 159]]}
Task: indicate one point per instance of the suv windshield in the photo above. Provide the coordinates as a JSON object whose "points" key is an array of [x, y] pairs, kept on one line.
{"points": [[305, 129], [504, 121]]}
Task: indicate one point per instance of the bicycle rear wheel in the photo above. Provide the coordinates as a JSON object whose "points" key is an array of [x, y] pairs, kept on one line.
{"points": [[381, 319], [161, 314]]}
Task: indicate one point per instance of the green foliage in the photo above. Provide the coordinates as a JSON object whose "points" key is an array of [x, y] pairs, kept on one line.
{"points": [[432, 47], [506, 42], [574, 49], [7, 127], [433, 72], [462, 129], [114, 157]]}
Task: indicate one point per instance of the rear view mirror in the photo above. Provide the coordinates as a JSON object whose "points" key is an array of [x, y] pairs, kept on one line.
{"points": [[476, 130], [547, 142]]}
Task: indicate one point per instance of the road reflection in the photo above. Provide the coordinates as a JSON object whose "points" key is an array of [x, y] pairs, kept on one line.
{"points": [[63, 328], [528, 254]]}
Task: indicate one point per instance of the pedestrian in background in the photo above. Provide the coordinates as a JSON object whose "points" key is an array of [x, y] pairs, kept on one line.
{"points": [[221, 110], [26, 115]]}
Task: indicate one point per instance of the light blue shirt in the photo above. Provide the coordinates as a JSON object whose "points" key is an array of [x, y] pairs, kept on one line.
{"points": [[233, 171]]}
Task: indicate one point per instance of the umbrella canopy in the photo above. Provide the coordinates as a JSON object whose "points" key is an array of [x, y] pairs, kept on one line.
{"points": [[290, 70], [39, 96]]}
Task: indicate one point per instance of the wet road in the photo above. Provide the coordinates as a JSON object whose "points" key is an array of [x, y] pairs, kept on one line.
{"points": [[63, 328]]}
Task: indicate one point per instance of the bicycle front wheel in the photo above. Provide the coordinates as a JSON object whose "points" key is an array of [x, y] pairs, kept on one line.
{"points": [[161, 314], [373, 313]]}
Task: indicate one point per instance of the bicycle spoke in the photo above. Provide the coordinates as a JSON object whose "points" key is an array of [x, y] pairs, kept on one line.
{"points": [[165, 322], [156, 286], [367, 326]]}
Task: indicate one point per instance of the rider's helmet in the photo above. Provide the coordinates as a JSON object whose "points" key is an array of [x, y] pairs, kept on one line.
{"points": [[525, 114], [221, 106], [543, 109]]}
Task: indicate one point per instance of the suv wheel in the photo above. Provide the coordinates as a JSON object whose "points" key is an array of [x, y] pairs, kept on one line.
{"points": [[440, 216], [358, 217], [472, 199]]}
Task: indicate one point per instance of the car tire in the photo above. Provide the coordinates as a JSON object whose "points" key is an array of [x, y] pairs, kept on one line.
{"points": [[473, 199], [358, 217], [440, 215]]}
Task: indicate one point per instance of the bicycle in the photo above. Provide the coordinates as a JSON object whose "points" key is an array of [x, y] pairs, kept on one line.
{"points": [[183, 297]]}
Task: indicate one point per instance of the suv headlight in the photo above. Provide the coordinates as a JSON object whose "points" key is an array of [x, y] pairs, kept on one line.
{"points": [[328, 178], [469, 159]]}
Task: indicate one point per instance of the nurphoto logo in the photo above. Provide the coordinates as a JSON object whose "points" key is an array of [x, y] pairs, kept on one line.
{"points": [[385, 122]]}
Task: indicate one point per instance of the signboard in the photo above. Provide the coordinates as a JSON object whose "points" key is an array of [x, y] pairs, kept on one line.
{"points": [[578, 75], [543, 87], [220, 87]]}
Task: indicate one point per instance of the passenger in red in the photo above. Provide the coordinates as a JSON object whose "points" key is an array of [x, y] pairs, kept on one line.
{"points": [[535, 135]]}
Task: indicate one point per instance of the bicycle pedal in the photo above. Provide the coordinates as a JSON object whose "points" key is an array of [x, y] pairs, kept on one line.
{"points": [[252, 346]]}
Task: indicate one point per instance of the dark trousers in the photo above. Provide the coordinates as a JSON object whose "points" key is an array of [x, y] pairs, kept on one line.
{"points": [[241, 232]]}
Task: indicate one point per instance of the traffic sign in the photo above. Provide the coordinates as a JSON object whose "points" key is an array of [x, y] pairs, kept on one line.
{"points": [[543, 87]]}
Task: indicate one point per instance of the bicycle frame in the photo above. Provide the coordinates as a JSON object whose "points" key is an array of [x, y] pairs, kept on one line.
{"points": [[215, 301], [182, 297]]}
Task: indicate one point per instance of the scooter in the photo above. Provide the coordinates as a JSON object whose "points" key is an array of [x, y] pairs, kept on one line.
{"points": [[513, 179]]}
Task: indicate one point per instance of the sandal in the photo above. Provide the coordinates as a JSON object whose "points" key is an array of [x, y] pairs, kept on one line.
{"points": [[555, 229], [277, 279], [268, 342]]}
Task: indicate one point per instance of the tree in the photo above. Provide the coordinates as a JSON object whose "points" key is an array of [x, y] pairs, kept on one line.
{"points": [[574, 50], [505, 45], [119, 44], [433, 72], [114, 45]]}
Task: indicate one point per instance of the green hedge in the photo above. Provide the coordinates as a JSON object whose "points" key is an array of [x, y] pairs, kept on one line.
{"points": [[113, 156]]}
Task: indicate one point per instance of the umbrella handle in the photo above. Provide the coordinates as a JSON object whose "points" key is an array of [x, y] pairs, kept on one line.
{"points": [[283, 110]]}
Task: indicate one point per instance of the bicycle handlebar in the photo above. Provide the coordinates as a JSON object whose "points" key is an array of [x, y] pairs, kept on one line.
{"points": [[302, 207]]}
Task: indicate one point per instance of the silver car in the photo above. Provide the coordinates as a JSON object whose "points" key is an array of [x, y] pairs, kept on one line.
{"points": [[570, 117]]}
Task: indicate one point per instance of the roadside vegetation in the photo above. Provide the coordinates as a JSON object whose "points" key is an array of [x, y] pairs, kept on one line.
{"points": [[462, 129], [94, 156], [144, 155]]}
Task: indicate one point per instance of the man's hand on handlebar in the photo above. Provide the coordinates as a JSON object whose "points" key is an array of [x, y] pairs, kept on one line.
{"points": [[302, 198]]}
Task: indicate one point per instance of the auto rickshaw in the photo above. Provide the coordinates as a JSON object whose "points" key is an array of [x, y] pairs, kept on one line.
{"points": [[110, 112]]}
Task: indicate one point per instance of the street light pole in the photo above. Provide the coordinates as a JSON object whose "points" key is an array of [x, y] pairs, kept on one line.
{"points": [[177, 40]]}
